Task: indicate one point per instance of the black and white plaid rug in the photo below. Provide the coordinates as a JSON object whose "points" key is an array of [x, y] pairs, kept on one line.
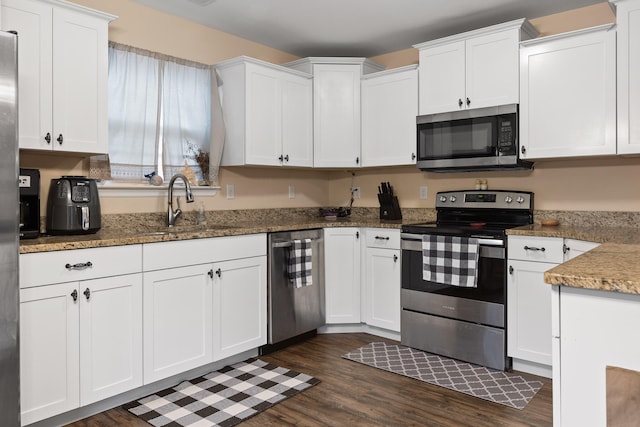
{"points": [[222, 398], [489, 384]]}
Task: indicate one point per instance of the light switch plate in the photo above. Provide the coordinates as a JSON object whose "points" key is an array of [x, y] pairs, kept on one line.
{"points": [[423, 192], [292, 192], [231, 192]]}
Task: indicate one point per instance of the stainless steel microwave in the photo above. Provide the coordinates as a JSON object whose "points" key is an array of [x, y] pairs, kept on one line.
{"points": [[470, 140]]}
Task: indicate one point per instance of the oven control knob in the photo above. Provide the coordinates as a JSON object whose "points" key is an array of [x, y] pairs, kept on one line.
{"points": [[452, 199], [508, 199], [443, 199], [520, 199]]}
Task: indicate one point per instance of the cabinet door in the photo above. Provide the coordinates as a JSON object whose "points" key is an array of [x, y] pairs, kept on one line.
{"points": [[32, 20], [177, 321], [529, 312], [110, 336], [628, 29], [264, 117], [80, 65], [568, 105], [342, 274], [49, 341], [297, 120], [442, 78], [382, 288], [336, 111], [492, 76], [389, 110], [240, 306]]}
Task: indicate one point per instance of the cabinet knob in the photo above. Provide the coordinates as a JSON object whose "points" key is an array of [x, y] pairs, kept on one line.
{"points": [[60, 139], [357, 160], [413, 156], [357, 234], [281, 158], [468, 101], [47, 138], [219, 273], [395, 258], [74, 295], [87, 294], [286, 158], [510, 269], [210, 273], [523, 149], [460, 102], [565, 248]]}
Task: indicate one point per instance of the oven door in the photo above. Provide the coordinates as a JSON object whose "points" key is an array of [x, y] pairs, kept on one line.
{"points": [[484, 304]]}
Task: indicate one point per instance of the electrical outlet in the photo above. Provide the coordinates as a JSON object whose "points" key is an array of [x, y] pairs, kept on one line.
{"points": [[231, 192], [355, 191], [292, 192], [423, 192]]}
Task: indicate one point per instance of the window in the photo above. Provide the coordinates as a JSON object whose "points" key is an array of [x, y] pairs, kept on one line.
{"points": [[160, 118]]}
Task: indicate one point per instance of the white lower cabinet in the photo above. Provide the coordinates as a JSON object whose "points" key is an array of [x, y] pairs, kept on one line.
{"points": [[529, 301], [239, 306], [381, 282], [80, 331], [178, 319], [342, 274], [80, 342], [204, 300]]}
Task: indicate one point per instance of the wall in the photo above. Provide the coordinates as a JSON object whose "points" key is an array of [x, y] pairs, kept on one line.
{"points": [[594, 184]]}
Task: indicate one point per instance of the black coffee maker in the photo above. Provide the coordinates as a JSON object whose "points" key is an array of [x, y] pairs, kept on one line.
{"points": [[29, 183]]}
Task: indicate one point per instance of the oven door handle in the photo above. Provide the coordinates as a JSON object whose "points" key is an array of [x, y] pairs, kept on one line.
{"points": [[481, 241], [485, 251]]}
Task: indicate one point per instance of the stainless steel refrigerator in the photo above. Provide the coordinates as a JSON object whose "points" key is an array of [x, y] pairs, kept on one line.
{"points": [[9, 240]]}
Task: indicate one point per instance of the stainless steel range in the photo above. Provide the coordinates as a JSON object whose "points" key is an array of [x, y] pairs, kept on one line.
{"points": [[465, 323]]}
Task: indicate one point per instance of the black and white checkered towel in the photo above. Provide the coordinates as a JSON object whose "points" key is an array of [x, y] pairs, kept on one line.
{"points": [[450, 260], [299, 267]]}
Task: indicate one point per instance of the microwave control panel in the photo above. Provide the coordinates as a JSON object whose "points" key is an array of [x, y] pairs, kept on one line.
{"points": [[506, 137]]}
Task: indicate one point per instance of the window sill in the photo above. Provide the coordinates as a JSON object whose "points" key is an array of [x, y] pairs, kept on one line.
{"points": [[142, 190]]}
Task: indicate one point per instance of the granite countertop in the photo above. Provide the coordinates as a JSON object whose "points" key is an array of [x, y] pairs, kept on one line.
{"points": [[136, 233], [612, 266]]}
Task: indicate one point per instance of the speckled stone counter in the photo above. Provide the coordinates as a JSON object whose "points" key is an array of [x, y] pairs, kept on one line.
{"points": [[612, 266], [118, 230]]}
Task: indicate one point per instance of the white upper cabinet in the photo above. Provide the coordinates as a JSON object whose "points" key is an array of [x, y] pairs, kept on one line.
{"points": [[336, 108], [389, 110], [62, 74], [268, 114], [472, 70], [568, 94], [628, 19]]}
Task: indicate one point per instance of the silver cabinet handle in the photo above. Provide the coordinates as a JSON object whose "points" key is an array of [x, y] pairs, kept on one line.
{"points": [[79, 266], [533, 248]]}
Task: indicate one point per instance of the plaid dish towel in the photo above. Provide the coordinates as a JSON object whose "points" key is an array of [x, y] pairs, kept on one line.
{"points": [[450, 260], [299, 268]]}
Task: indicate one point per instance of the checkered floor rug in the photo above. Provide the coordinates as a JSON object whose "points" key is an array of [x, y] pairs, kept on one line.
{"points": [[489, 384], [222, 398]]}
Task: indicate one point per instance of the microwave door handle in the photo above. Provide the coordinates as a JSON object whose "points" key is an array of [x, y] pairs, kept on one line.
{"points": [[85, 217]]}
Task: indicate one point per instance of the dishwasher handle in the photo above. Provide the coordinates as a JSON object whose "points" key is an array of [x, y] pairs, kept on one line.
{"points": [[285, 244]]}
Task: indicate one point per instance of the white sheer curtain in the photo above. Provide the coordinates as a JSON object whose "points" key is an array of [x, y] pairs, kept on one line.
{"points": [[160, 116], [134, 92]]}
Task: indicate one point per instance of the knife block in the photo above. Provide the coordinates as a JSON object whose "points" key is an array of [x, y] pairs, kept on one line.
{"points": [[389, 207]]}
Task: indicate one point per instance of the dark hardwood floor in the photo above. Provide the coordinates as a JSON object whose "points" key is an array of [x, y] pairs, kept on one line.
{"points": [[352, 394]]}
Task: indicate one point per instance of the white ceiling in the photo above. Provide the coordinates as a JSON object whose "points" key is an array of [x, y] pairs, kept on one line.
{"points": [[362, 28]]}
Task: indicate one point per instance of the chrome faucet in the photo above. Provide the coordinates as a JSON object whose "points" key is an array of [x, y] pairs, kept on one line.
{"points": [[171, 214]]}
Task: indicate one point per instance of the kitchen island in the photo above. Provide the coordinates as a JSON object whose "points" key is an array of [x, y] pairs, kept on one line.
{"points": [[595, 310]]}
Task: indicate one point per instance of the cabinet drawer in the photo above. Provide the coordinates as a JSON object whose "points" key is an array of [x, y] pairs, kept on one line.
{"points": [[158, 256], [46, 268], [543, 249], [382, 238]]}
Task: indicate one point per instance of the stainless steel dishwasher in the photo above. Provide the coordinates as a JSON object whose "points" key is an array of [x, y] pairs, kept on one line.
{"points": [[294, 311]]}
